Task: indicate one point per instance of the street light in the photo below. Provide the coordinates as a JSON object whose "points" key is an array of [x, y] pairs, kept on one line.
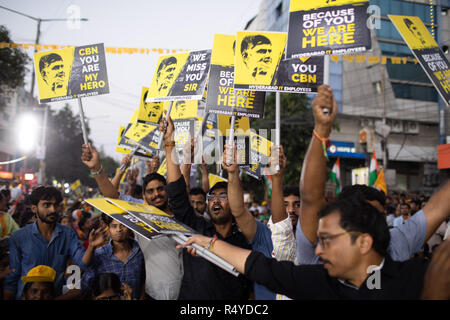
{"points": [[38, 34], [26, 129]]}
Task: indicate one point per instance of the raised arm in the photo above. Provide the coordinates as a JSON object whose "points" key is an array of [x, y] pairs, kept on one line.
{"points": [[313, 175], [152, 165], [437, 209], [116, 180], [91, 159], [205, 180], [244, 218], [188, 154], [173, 169], [277, 201]]}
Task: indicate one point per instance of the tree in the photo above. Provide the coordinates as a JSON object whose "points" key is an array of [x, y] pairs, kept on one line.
{"points": [[63, 154], [297, 124], [13, 63]]}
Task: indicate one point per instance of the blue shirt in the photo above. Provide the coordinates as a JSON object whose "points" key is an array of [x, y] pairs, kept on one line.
{"points": [[262, 242], [406, 240], [28, 249], [132, 272]]}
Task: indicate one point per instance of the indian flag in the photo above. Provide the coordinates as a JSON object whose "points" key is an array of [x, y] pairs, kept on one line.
{"points": [[380, 184], [373, 170], [268, 181], [336, 176]]}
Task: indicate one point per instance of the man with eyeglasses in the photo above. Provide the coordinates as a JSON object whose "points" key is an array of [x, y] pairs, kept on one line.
{"points": [[353, 237], [407, 239], [203, 280], [163, 263]]}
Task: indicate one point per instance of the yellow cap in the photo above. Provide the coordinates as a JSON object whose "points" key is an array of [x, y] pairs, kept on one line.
{"points": [[40, 273]]}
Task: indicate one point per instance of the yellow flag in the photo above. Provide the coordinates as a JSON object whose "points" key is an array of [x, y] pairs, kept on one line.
{"points": [[380, 183]]}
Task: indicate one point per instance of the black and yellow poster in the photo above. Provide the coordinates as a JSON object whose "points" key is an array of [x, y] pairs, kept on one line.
{"points": [[144, 134], [260, 149], [71, 73], [149, 112], [221, 97], [260, 67], [184, 130], [327, 27], [183, 109], [242, 148], [241, 125], [155, 218], [180, 76], [123, 217], [427, 52], [125, 146]]}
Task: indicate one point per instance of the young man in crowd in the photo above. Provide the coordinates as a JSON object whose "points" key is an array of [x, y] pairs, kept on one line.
{"points": [[163, 262], [406, 240], [121, 256], [203, 280], [44, 242]]}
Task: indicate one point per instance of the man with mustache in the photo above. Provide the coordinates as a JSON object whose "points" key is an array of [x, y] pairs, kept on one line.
{"points": [[163, 262], [256, 53], [165, 74], [203, 280], [44, 242]]}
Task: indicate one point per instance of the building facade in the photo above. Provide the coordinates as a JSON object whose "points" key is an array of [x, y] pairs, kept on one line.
{"points": [[401, 95]]}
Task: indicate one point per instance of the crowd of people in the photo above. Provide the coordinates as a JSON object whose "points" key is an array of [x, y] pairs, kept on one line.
{"points": [[299, 244]]}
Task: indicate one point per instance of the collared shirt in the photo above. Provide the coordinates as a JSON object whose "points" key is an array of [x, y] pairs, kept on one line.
{"points": [[397, 280], [406, 240], [203, 280], [284, 245], [163, 264], [132, 272], [262, 242], [28, 249]]}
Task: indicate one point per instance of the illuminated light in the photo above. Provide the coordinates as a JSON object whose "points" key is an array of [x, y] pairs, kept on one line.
{"points": [[28, 176], [6, 175], [26, 129]]}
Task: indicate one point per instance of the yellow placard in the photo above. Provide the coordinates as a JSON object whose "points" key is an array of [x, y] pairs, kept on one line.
{"points": [[258, 55], [302, 5], [260, 144], [76, 185], [149, 112], [53, 69], [137, 207], [223, 50], [162, 170], [183, 109], [139, 130], [241, 125], [104, 206], [167, 70], [414, 32]]}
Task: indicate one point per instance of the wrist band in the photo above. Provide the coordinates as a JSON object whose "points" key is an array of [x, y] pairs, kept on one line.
{"points": [[211, 242], [169, 144], [324, 142], [96, 173]]}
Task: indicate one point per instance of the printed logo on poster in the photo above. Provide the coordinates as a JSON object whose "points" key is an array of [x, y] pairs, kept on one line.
{"points": [[260, 67], [125, 146], [180, 76], [321, 27], [183, 109], [427, 52], [221, 97], [71, 73]]}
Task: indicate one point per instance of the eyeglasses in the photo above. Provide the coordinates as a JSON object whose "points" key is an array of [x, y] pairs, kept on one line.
{"points": [[324, 241], [222, 196]]}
